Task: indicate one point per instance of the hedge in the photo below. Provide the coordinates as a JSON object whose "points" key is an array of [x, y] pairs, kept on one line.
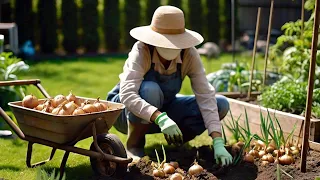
{"points": [[152, 5], [24, 20], [48, 25], [176, 3], [132, 19], [112, 24], [195, 15], [89, 18], [213, 21], [70, 25]]}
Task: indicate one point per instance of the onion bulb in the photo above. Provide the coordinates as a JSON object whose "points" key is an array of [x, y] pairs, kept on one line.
{"points": [[261, 153], [176, 176], [264, 163], [248, 158], [295, 152], [71, 97], [270, 149], [89, 108], [158, 173], [254, 153], [268, 157], [71, 106], [40, 107], [78, 111], [174, 164], [286, 159], [99, 105], [195, 169], [30, 101], [168, 169], [59, 99]]}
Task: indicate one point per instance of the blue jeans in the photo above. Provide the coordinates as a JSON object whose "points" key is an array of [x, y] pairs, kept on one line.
{"points": [[183, 110]]}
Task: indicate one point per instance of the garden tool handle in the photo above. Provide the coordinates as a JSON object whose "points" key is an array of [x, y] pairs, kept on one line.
{"points": [[35, 82], [14, 127]]}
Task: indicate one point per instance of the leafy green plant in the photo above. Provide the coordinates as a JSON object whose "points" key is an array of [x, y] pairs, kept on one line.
{"points": [[265, 126], [43, 175], [10, 66]]}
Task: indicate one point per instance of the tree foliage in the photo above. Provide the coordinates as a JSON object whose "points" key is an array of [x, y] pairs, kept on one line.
{"points": [[112, 24], [195, 15], [132, 19], [70, 25], [213, 21], [89, 17], [48, 25], [24, 20]]}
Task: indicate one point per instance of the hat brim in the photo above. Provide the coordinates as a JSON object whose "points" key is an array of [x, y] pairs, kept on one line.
{"points": [[173, 41]]}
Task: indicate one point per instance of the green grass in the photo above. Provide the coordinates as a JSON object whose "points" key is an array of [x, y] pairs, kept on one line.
{"points": [[89, 77]]}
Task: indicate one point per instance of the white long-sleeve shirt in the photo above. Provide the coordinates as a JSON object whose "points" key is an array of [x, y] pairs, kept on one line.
{"points": [[139, 63]]}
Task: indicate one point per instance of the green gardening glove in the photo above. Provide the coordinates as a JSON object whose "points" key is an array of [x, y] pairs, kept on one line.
{"points": [[170, 129], [220, 152]]}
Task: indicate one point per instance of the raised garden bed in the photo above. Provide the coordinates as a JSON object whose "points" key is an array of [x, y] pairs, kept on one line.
{"points": [[287, 120]]}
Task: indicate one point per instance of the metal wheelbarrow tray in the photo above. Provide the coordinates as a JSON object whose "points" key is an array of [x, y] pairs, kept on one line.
{"points": [[107, 154]]}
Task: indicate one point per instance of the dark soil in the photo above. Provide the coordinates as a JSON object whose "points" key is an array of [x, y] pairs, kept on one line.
{"points": [[244, 171]]}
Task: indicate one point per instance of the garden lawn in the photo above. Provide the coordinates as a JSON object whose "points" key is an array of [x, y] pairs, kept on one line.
{"points": [[88, 77]]}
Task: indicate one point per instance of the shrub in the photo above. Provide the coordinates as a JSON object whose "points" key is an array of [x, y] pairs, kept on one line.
{"points": [[176, 3], [9, 67], [24, 20], [195, 15], [70, 25], [213, 21], [48, 25], [152, 5], [112, 24], [132, 19], [89, 18]]}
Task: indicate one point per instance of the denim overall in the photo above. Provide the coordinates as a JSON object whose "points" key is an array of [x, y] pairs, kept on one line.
{"points": [[162, 91]]}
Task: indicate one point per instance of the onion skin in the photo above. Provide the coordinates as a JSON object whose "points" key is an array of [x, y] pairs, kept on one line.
{"points": [[261, 153], [89, 108], [99, 105], [254, 153], [158, 173], [59, 99], [248, 158], [270, 149], [264, 163], [71, 97], [168, 169], [40, 107], [268, 157], [174, 164], [195, 169], [78, 111], [70, 107], [286, 159], [176, 176], [30, 101]]}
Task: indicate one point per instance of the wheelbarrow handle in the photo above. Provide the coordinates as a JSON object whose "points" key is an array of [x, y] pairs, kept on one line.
{"points": [[35, 82], [14, 127]]}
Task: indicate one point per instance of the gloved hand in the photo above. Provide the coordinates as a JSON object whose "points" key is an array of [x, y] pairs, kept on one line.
{"points": [[220, 152], [170, 129]]}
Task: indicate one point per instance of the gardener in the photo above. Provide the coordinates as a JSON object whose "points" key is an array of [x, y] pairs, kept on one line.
{"points": [[151, 80]]}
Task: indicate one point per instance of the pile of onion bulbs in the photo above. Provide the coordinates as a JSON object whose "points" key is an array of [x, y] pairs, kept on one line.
{"points": [[269, 154], [64, 105]]}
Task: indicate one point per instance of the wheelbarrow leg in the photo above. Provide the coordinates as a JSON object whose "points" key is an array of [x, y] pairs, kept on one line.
{"points": [[63, 164], [29, 155]]}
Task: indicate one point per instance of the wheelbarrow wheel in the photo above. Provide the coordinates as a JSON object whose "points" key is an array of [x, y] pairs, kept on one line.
{"points": [[109, 144]]}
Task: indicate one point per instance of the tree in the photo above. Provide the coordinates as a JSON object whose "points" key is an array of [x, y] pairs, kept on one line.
{"points": [[195, 15], [132, 19], [70, 25], [213, 21], [48, 25], [89, 17], [152, 5], [23, 18], [112, 24], [176, 3]]}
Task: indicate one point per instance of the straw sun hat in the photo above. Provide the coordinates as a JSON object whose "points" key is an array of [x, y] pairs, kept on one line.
{"points": [[167, 30]]}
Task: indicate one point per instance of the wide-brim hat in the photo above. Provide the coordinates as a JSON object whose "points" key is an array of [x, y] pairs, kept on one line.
{"points": [[167, 30]]}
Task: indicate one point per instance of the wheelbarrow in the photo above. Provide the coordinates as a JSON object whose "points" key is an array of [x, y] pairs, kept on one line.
{"points": [[107, 154]]}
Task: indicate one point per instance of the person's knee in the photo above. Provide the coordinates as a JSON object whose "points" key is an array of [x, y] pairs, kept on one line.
{"points": [[152, 93], [223, 106]]}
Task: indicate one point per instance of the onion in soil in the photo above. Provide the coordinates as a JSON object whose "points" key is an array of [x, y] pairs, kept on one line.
{"points": [[158, 173], [174, 164], [176, 176], [286, 159], [248, 158], [261, 153], [30, 101], [168, 169], [254, 153], [270, 149], [195, 169], [268, 157]]}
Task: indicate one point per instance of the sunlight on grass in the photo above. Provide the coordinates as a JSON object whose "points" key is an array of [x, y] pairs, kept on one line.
{"points": [[88, 77]]}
